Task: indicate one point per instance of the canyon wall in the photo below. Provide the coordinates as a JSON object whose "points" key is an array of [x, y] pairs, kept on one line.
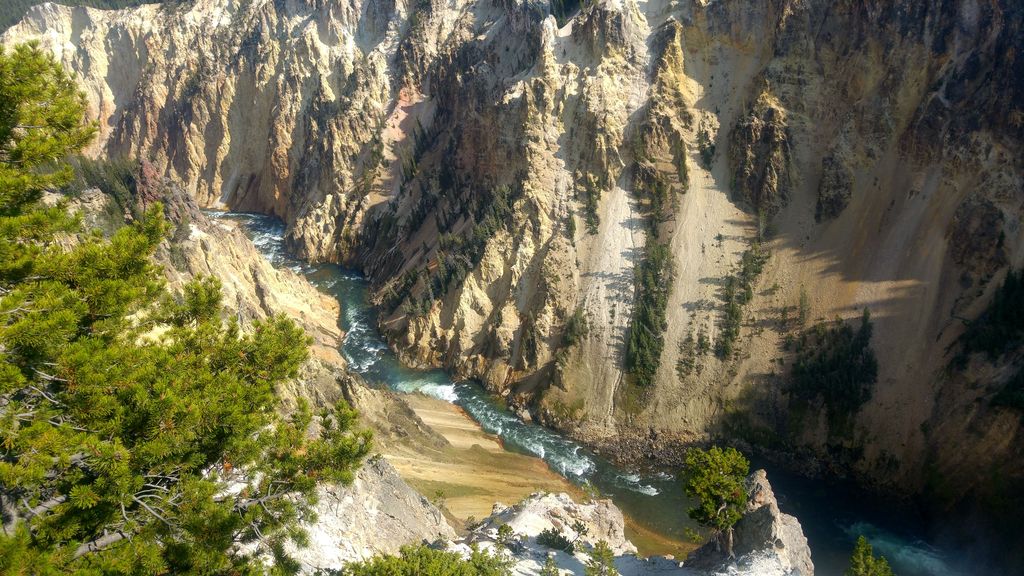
{"points": [[629, 221]]}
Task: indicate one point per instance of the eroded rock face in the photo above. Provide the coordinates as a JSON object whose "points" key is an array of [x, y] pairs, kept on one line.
{"points": [[768, 542], [492, 172], [760, 156], [603, 520], [378, 514], [763, 535]]}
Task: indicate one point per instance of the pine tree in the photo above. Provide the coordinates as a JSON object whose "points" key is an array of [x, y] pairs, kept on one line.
{"points": [[550, 568], [602, 561], [865, 563], [715, 477], [138, 432], [425, 561]]}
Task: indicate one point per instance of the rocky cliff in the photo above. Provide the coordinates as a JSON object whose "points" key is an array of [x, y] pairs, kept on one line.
{"points": [[512, 184], [763, 529], [768, 542], [378, 514]]}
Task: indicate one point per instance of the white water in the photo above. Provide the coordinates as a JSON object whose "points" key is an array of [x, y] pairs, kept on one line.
{"points": [[831, 520]]}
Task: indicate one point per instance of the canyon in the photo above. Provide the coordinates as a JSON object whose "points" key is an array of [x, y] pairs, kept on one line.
{"points": [[527, 190]]}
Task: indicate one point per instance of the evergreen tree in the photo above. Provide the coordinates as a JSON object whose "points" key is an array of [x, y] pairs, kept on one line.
{"points": [[425, 561], [836, 363], [602, 561], [138, 433], [550, 568], [865, 563], [715, 477]]}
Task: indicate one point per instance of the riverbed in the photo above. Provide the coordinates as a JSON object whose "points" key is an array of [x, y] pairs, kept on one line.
{"points": [[832, 515]]}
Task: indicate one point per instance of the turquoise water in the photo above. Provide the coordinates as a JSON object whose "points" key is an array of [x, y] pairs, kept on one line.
{"points": [[832, 515]]}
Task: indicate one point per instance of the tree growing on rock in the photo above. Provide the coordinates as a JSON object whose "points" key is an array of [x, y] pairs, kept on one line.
{"points": [[138, 433], [602, 561], [550, 568], [425, 561], [865, 563], [715, 478]]}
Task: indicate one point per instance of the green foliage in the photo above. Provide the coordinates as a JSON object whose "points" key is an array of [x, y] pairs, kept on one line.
{"points": [[1001, 327], [865, 563], [837, 364], [1012, 393], [705, 146], [117, 178], [737, 292], [588, 189], [127, 414], [41, 114], [550, 568], [602, 561], [655, 193], [555, 540], [581, 530], [647, 330], [425, 561], [505, 535], [804, 307], [576, 328], [565, 9], [715, 478], [458, 254], [687, 362]]}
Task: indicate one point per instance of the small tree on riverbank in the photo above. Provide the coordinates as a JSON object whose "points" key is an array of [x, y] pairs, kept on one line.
{"points": [[715, 478], [865, 563]]}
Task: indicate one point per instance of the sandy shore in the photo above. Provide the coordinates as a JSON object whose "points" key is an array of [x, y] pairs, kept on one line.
{"points": [[471, 472]]}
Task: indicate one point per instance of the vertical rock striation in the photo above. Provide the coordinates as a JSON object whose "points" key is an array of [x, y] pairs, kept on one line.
{"points": [[497, 173]]}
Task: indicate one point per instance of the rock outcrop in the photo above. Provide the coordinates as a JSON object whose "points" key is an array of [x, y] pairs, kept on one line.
{"points": [[559, 512], [763, 532], [760, 156], [378, 514], [768, 542]]}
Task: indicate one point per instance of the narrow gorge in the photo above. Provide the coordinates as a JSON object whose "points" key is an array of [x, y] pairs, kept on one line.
{"points": [[789, 226]]}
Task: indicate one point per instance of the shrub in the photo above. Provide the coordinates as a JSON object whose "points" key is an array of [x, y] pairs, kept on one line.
{"points": [[837, 364], [1001, 327], [588, 189], [425, 561], [505, 535], [647, 330], [550, 568], [602, 561], [736, 293], [555, 540], [576, 328], [865, 563], [1012, 393], [705, 146], [687, 357]]}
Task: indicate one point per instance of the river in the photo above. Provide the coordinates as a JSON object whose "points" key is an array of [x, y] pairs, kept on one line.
{"points": [[832, 514]]}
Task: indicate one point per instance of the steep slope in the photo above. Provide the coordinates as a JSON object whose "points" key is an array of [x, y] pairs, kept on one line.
{"points": [[511, 185]]}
